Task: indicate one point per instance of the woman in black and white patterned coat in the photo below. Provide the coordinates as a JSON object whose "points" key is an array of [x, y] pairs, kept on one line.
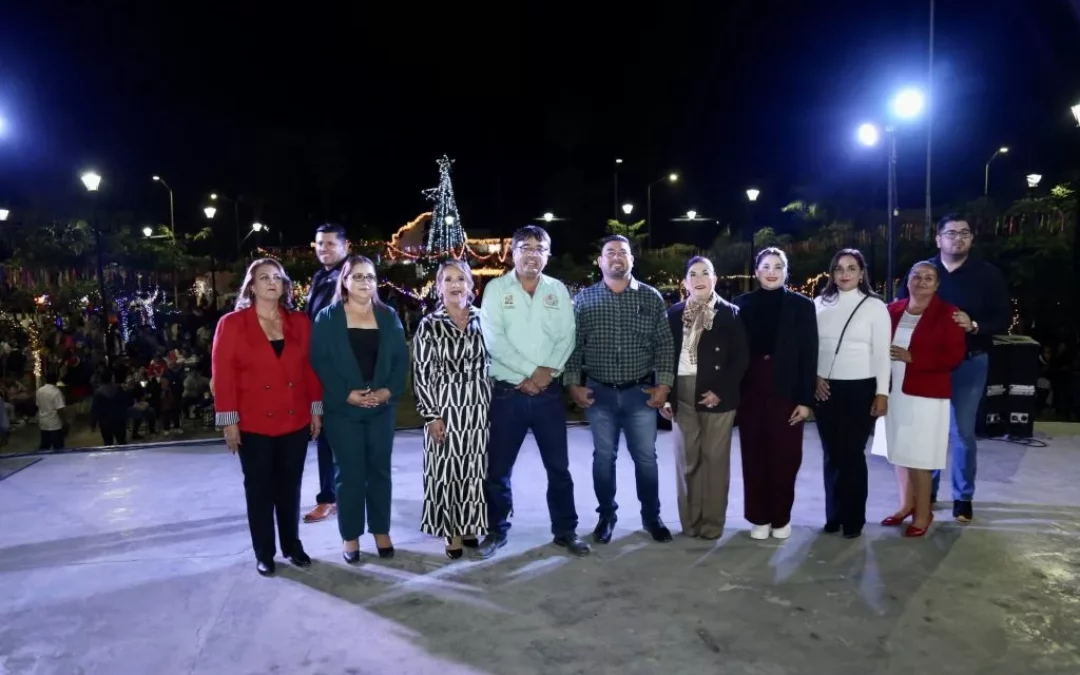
{"points": [[453, 394]]}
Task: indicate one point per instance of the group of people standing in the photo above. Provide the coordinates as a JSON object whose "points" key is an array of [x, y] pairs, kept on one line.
{"points": [[484, 377]]}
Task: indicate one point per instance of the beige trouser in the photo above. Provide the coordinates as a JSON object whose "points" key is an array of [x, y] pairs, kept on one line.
{"points": [[702, 464]]}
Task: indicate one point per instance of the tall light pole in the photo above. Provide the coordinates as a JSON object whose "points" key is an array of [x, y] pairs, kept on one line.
{"points": [[628, 208], [92, 182], [752, 195], [617, 163], [4, 213], [172, 229], [670, 178], [214, 196], [986, 180], [907, 104], [1033, 180], [210, 212]]}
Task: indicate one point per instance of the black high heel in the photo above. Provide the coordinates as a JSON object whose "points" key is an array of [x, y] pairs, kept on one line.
{"points": [[453, 553], [351, 557], [470, 542], [386, 553]]}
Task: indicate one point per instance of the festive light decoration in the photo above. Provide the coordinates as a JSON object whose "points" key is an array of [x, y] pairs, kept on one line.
{"points": [[445, 235]]}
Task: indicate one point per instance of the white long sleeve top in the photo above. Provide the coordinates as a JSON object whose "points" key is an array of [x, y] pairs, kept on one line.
{"points": [[864, 352]]}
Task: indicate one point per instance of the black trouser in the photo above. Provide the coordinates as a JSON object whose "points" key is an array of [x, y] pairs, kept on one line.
{"points": [[113, 432], [844, 425], [273, 469], [52, 440]]}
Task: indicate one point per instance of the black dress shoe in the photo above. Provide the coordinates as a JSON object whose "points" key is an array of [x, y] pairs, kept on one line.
{"points": [[852, 534], [604, 529], [659, 531], [470, 542], [491, 543], [351, 557], [299, 558], [572, 543], [264, 567], [385, 553], [961, 511], [831, 528]]}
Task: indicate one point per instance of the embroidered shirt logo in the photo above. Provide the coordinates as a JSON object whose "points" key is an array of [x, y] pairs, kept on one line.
{"points": [[550, 300], [508, 300]]}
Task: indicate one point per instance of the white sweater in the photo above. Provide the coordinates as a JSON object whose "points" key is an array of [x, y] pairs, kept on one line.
{"points": [[864, 352]]}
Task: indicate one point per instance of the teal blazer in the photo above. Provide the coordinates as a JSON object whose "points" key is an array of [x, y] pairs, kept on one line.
{"points": [[334, 362]]}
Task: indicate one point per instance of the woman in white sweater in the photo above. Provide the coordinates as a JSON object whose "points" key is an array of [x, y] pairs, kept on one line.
{"points": [[854, 332]]}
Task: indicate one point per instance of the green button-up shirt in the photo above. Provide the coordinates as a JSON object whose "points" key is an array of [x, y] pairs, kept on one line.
{"points": [[522, 331], [621, 337]]}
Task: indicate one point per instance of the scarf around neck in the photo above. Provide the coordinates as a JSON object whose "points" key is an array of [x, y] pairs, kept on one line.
{"points": [[698, 317]]}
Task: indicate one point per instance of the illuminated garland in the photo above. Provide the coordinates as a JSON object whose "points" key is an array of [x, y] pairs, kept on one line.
{"points": [[445, 234]]}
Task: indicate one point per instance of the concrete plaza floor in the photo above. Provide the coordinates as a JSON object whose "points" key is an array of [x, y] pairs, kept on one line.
{"points": [[138, 562]]}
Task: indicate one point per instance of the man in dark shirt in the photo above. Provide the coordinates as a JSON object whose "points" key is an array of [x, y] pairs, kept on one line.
{"points": [[331, 248], [625, 350], [978, 289]]}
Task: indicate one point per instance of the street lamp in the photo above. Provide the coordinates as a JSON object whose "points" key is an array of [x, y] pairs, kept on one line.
{"points": [[752, 194], [548, 217], [868, 135], [148, 231], [618, 161], [210, 211], [258, 227], [691, 215], [1032, 180], [172, 206], [908, 103], [214, 196], [92, 181], [986, 181], [1076, 113], [4, 213], [671, 178], [627, 208]]}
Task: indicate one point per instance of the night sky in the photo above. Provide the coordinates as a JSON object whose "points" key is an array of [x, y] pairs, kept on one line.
{"points": [[319, 116]]}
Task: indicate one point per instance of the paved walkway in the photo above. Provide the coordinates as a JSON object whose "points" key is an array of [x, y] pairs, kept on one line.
{"points": [[138, 563]]}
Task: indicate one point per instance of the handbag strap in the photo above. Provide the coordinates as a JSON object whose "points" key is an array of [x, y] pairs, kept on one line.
{"points": [[842, 332]]}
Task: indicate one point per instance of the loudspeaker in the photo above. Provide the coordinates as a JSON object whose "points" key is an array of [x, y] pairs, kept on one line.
{"points": [[1008, 405]]}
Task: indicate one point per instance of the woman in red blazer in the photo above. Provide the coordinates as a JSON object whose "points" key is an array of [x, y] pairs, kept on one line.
{"points": [[927, 345], [269, 404]]}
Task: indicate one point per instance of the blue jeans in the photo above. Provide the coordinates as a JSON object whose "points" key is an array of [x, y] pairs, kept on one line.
{"points": [[968, 385], [614, 410], [513, 414]]}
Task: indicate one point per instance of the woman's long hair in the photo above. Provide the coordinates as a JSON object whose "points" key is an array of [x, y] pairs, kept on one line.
{"points": [[832, 291], [246, 296], [341, 294]]}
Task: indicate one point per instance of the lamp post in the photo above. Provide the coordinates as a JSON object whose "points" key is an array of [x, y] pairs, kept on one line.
{"points": [[618, 161], [4, 213], [548, 217], [671, 178], [752, 195], [986, 180], [627, 209], [210, 212], [906, 105], [691, 215], [214, 196], [92, 182], [172, 228], [1033, 180]]}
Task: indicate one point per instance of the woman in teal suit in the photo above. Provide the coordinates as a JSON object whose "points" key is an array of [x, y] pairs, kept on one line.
{"points": [[358, 351]]}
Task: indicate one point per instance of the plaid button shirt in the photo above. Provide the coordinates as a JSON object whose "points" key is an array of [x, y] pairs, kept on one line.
{"points": [[621, 337]]}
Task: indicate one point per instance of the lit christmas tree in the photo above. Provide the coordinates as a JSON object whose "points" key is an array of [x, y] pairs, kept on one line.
{"points": [[445, 234]]}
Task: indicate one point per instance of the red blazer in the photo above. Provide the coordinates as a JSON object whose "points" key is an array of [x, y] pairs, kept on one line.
{"points": [[937, 347], [271, 395]]}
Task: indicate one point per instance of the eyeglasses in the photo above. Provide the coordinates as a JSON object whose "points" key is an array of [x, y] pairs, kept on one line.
{"points": [[363, 277], [532, 250], [611, 255], [957, 234]]}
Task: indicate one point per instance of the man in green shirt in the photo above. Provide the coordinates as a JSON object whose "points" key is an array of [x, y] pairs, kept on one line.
{"points": [[625, 351], [528, 325]]}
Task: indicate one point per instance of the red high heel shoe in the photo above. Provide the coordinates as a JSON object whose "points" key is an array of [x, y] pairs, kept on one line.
{"points": [[913, 531], [893, 521]]}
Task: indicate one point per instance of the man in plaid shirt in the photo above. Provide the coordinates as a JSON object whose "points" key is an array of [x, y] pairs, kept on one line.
{"points": [[621, 372]]}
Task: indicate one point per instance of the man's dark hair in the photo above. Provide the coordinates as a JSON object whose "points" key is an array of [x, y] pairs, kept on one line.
{"points": [[615, 237], [51, 377], [332, 228], [951, 218], [528, 232]]}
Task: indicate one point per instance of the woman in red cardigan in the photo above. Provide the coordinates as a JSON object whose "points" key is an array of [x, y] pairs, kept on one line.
{"points": [[927, 345], [269, 404]]}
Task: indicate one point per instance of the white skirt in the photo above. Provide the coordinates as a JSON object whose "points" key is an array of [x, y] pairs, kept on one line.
{"points": [[916, 428]]}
